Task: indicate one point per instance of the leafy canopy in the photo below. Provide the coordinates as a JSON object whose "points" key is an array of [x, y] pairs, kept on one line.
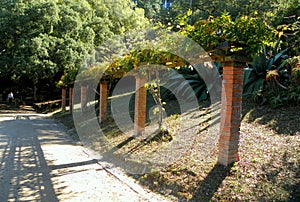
{"points": [[43, 40], [247, 34]]}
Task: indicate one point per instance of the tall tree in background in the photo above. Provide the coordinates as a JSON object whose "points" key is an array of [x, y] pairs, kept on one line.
{"points": [[152, 8], [42, 40], [202, 9]]}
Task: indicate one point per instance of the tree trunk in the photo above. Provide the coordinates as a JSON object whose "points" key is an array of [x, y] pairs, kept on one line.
{"points": [[63, 99], [34, 92]]}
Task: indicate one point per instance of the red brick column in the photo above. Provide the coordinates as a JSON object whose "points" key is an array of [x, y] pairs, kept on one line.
{"points": [[140, 105], [83, 98], [103, 102], [71, 99], [232, 90], [63, 99]]}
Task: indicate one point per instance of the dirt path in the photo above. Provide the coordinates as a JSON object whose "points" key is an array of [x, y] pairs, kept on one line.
{"points": [[39, 162]]}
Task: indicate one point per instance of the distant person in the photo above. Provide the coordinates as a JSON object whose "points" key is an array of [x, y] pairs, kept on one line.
{"points": [[10, 98]]}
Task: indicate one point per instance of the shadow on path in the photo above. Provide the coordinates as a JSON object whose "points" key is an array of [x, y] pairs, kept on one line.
{"points": [[24, 171], [24, 174]]}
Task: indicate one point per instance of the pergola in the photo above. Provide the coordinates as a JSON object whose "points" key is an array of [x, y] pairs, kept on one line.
{"points": [[231, 105]]}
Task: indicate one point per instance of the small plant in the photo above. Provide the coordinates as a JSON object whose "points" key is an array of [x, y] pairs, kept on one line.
{"points": [[294, 62], [289, 97], [154, 89], [268, 71]]}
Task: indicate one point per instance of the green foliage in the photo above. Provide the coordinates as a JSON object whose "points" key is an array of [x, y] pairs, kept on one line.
{"points": [[152, 8], [273, 77], [153, 85], [266, 68], [247, 34], [203, 9], [284, 12], [193, 80], [141, 50], [187, 82], [253, 81], [289, 33], [67, 79], [289, 97], [43, 40], [294, 63], [123, 16]]}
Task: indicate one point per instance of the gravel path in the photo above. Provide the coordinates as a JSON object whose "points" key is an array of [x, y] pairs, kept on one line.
{"points": [[39, 162]]}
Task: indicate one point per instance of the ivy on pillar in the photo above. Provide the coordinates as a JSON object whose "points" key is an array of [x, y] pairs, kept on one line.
{"points": [[83, 98], [71, 99], [103, 102], [140, 105], [63, 99], [232, 90]]}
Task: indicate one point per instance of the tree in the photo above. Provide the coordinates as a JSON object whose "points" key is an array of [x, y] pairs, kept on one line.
{"points": [[43, 40], [202, 9], [32, 37], [109, 18], [152, 8]]}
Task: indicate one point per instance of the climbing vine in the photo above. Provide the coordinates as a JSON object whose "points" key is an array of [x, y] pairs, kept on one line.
{"points": [[247, 34]]}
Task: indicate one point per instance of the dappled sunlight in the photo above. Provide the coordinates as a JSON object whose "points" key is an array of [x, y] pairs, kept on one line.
{"points": [[24, 171], [269, 161], [39, 162], [153, 148], [56, 154], [283, 121]]}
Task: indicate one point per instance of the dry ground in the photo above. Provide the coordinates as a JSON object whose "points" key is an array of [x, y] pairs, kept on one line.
{"points": [[268, 170], [40, 162]]}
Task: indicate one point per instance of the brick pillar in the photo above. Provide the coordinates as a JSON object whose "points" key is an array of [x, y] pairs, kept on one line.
{"points": [[71, 99], [103, 102], [140, 105], [83, 98], [63, 99], [232, 89]]}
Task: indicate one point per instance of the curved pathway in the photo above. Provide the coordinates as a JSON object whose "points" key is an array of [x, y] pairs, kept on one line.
{"points": [[39, 162]]}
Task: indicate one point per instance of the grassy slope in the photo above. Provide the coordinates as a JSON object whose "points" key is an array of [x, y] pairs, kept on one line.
{"points": [[269, 166]]}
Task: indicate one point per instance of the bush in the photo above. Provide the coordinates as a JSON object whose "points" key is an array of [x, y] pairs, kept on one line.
{"points": [[187, 82]]}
